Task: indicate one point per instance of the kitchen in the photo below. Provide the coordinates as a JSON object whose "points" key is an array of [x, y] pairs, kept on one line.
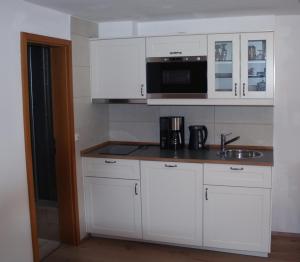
{"points": [[270, 125]]}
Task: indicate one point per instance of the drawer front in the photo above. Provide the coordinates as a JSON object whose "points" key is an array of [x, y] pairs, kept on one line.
{"points": [[238, 175], [111, 168], [194, 45]]}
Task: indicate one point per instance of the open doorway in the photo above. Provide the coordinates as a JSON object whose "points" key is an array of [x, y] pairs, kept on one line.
{"points": [[49, 142]]}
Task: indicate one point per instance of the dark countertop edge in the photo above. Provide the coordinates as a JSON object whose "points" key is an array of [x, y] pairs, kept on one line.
{"points": [[88, 153]]}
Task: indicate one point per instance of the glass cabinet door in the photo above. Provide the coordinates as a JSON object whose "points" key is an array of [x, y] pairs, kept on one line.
{"points": [[257, 65], [223, 66]]}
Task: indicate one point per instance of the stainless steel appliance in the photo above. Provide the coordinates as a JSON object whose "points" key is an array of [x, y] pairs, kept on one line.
{"points": [[198, 137], [177, 77], [172, 132]]}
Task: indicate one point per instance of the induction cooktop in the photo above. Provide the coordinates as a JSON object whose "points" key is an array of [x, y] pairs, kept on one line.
{"points": [[117, 149]]}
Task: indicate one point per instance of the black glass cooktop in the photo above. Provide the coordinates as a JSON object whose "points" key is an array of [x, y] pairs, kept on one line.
{"points": [[117, 149]]}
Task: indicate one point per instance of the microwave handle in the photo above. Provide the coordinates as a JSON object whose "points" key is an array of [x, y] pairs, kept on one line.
{"points": [[142, 90]]}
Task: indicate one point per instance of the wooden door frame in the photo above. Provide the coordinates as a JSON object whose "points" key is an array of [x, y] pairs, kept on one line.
{"points": [[70, 233]]}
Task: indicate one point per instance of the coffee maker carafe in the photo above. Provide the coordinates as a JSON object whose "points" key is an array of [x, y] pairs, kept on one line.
{"points": [[198, 137], [172, 132]]}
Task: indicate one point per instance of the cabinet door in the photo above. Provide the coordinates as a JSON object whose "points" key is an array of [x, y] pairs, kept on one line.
{"points": [[237, 218], [172, 202], [223, 66], [168, 46], [113, 207], [257, 65], [118, 68]]}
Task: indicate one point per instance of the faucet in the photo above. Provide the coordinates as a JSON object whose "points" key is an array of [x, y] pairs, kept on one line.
{"points": [[224, 142]]}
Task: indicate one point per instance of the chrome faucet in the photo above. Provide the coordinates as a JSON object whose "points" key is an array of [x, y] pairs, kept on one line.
{"points": [[224, 142]]}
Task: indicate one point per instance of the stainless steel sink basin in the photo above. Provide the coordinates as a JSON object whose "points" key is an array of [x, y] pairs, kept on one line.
{"points": [[241, 154]]}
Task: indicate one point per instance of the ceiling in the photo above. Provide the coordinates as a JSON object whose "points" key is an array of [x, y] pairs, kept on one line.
{"points": [[149, 10]]}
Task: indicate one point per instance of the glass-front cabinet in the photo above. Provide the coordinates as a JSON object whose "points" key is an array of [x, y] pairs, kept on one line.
{"points": [[240, 65], [257, 67], [223, 66]]}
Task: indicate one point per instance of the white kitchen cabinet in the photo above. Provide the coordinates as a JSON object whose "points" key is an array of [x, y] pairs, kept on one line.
{"points": [[241, 66], [237, 218], [237, 207], [118, 69], [223, 66], [172, 202], [257, 65], [168, 46], [113, 207]]}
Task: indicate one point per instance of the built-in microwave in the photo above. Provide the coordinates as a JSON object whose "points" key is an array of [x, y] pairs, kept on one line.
{"points": [[177, 77]]}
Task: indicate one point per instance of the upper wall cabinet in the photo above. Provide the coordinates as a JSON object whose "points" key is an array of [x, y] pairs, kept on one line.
{"points": [[168, 46], [118, 68], [241, 66]]}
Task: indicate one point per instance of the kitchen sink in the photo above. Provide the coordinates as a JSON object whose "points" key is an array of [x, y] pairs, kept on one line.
{"points": [[240, 154]]}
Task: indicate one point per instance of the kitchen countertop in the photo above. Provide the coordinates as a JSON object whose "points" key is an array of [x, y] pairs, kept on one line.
{"points": [[152, 152]]}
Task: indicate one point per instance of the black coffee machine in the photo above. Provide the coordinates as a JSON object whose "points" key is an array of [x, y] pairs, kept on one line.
{"points": [[172, 132], [198, 137]]}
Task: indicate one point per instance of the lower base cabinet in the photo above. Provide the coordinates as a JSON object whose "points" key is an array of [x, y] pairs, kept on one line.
{"points": [[214, 206], [113, 207], [237, 218], [172, 202]]}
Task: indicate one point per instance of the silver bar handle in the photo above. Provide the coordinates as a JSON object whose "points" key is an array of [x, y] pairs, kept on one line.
{"points": [[236, 168], [136, 189], [206, 193], [110, 162], [166, 165]]}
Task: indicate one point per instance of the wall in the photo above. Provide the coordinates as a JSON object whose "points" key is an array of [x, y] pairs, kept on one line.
{"points": [[191, 26], [91, 120], [17, 16], [141, 122], [286, 196]]}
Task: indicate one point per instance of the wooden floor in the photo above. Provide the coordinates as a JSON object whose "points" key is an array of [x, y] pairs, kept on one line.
{"points": [[284, 249]]}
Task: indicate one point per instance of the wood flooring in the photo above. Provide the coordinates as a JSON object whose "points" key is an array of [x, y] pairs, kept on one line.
{"points": [[284, 249]]}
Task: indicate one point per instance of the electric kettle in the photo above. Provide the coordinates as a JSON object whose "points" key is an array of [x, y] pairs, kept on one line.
{"points": [[198, 137]]}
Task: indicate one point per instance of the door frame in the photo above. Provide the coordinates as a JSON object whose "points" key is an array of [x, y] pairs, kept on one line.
{"points": [[66, 184]]}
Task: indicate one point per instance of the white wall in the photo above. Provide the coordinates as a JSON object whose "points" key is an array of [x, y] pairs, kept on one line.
{"points": [[91, 120], [16, 16], [141, 122], [286, 196], [192, 26]]}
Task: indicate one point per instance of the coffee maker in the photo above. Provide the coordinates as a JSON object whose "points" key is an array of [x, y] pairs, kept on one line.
{"points": [[172, 132]]}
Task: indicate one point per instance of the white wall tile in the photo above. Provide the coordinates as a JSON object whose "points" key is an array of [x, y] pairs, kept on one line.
{"points": [[80, 50], [250, 134], [244, 114], [133, 113], [253, 124], [134, 131], [83, 27], [81, 82], [196, 115]]}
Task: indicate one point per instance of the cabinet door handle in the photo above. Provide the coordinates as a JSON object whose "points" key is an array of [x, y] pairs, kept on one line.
{"points": [[235, 89], [236, 168], [142, 89], [136, 189], [206, 193], [166, 165], [110, 162], [244, 88], [175, 53]]}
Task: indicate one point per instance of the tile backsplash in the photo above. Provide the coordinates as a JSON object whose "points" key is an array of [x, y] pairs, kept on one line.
{"points": [[136, 122]]}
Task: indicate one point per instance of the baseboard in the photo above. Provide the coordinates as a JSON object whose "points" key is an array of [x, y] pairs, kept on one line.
{"points": [[285, 234]]}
